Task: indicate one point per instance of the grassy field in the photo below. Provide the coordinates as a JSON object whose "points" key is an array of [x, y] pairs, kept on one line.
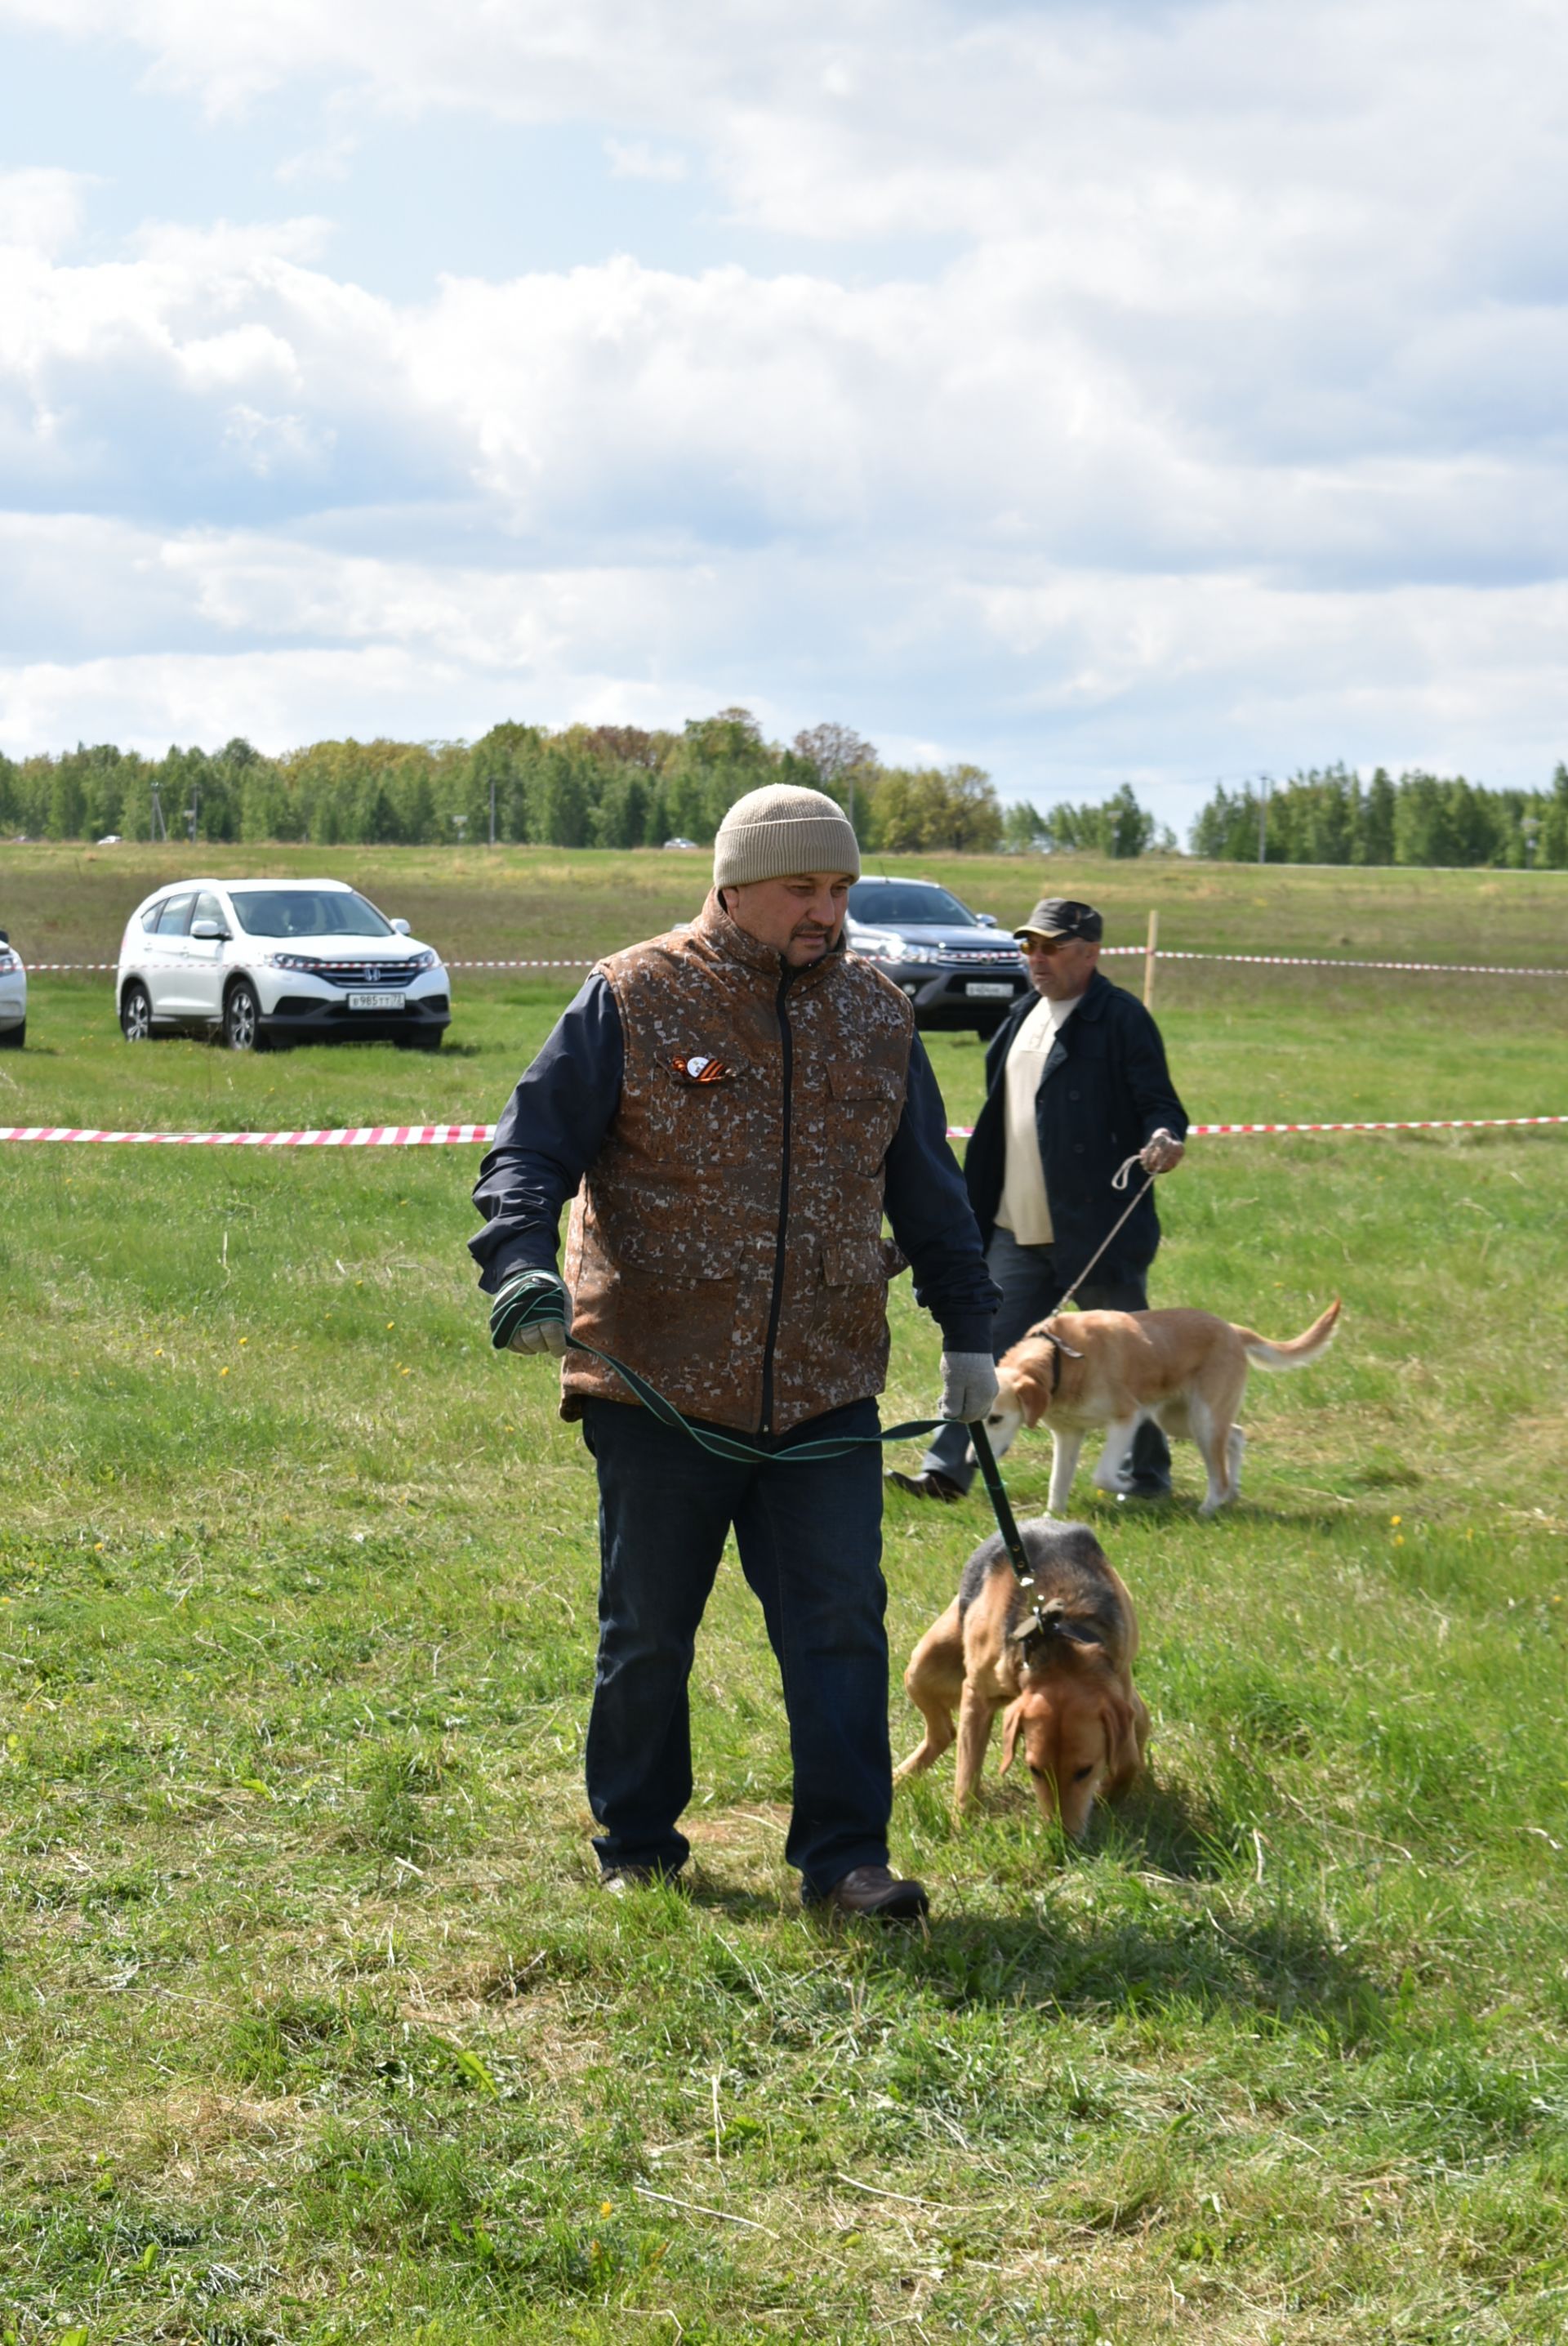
{"points": [[315, 2028], [71, 903]]}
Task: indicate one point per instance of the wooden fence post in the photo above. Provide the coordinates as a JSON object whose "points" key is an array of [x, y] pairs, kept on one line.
{"points": [[1150, 953]]}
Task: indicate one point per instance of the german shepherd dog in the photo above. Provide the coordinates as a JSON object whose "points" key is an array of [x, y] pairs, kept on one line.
{"points": [[1058, 1657]]}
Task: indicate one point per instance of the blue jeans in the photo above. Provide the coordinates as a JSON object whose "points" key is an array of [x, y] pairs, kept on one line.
{"points": [[810, 1543], [1030, 1291]]}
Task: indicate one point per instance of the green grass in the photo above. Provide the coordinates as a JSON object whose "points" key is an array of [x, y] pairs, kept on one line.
{"points": [[313, 2025], [70, 902]]}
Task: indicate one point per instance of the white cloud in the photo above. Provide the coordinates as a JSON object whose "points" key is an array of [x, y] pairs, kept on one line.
{"points": [[1219, 425], [634, 158], [41, 211]]}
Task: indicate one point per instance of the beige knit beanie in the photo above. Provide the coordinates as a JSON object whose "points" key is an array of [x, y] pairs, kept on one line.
{"points": [[772, 833]]}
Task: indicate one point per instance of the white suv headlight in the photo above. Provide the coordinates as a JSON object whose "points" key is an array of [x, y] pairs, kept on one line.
{"points": [[10, 961], [426, 961], [301, 962]]}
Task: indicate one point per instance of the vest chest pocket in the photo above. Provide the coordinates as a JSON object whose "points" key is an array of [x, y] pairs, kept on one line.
{"points": [[700, 1125], [864, 1107]]}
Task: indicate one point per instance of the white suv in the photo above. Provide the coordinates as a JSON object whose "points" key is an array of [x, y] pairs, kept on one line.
{"points": [[13, 997], [264, 960]]}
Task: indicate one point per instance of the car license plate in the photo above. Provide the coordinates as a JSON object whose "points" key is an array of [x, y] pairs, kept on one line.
{"points": [[375, 1002], [994, 990]]}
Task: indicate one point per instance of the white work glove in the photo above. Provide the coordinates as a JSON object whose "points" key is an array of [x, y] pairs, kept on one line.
{"points": [[969, 1386], [509, 1332], [1162, 1153]]}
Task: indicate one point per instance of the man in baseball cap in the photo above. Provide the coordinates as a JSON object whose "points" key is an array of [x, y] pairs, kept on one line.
{"points": [[1076, 1083], [1061, 918]]}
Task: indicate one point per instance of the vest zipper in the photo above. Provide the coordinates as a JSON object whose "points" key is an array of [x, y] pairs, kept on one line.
{"points": [[787, 1041]]}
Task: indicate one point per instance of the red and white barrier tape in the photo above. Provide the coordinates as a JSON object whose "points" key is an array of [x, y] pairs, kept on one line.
{"points": [[37, 968], [353, 1135], [438, 1136], [1400, 1124], [1165, 952], [1326, 961]]}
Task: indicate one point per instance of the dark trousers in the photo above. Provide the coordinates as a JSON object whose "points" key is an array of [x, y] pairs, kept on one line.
{"points": [[810, 1543], [1031, 1289]]}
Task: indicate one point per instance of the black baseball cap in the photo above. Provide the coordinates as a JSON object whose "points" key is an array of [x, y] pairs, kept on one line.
{"points": [[1059, 916]]}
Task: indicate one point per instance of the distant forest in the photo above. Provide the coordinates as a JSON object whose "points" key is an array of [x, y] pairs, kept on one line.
{"points": [[620, 786]]}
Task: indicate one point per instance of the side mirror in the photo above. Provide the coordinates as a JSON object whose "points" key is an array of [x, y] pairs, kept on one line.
{"points": [[401, 928], [209, 931], [986, 920]]}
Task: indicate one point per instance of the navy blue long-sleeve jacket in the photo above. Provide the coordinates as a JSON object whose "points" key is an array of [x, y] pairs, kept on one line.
{"points": [[555, 1121], [1105, 1092]]}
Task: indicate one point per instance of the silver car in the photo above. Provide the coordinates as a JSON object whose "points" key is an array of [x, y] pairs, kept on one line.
{"points": [[12, 997], [956, 967]]}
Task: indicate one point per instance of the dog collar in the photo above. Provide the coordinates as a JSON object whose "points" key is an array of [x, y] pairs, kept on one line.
{"points": [[1057, 1348]]}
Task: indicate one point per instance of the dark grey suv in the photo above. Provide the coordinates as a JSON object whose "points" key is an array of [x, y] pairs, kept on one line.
{"points": [[952, 962]]}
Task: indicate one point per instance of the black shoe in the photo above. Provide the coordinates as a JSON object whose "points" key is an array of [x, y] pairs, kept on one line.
{"points": [[1143, 1486], [618, 1879], [928, 1486], [873, 1890]]}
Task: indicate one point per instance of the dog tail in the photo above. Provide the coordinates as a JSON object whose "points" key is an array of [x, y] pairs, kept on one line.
{"points": [[1300, 1352]]}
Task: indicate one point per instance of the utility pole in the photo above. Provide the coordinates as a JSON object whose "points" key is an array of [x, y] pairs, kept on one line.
{"points": [[491, 809], [192, 811], [1263, 790], [159, 829]]}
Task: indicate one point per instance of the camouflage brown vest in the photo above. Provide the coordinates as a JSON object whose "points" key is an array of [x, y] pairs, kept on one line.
{"points": [[727, 1240]]}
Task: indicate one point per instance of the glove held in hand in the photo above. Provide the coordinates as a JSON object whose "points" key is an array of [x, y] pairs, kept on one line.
{"points": [[969, 1386], [513, 1306]]}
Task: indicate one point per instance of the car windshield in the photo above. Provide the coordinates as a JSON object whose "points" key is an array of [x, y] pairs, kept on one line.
{"points": [[306, 913], [902, 903]]}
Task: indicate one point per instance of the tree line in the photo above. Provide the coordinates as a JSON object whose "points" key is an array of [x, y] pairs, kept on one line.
{"points": [[1331, 816], [622, 786], [581, 786]]}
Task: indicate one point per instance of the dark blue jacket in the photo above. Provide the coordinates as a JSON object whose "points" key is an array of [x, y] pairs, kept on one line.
{"points": [[1105, 1090], [555, 1121]]}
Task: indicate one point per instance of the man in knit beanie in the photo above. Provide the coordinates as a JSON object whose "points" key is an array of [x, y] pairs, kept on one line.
{"points": [[733, 1108]]}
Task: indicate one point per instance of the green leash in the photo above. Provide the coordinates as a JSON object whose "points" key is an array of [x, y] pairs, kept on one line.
{"points": [[544, 1306]]}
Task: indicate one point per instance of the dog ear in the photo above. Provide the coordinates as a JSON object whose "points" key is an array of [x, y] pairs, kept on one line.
{"points": [[1010, 1727], [1116, 1712], [1032, 1388]]}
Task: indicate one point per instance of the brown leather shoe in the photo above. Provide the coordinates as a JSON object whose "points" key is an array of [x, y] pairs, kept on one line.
{"points": [[928, 1486], [874, 1890]]}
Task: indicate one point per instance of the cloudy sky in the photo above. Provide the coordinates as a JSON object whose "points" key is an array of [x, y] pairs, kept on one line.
{"points": [[1142, 391]]}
